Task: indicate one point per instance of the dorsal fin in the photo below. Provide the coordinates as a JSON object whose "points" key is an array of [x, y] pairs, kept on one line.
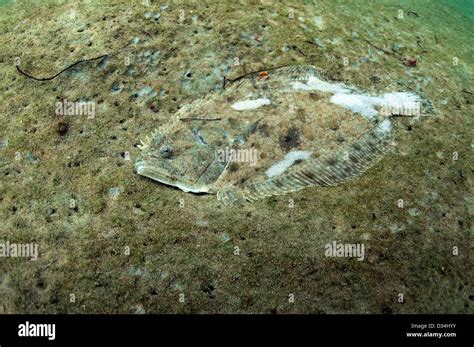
{"points": [[290, 73]]}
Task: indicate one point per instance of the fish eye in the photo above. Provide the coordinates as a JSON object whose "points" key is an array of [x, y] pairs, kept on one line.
{"points": [[166, 151]]}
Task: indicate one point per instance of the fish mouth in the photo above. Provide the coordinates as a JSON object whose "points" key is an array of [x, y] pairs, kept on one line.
{"points": [[151, 172]]}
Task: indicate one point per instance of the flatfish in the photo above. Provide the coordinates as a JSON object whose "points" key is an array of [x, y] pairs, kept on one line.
{"points": [[273, 133]]}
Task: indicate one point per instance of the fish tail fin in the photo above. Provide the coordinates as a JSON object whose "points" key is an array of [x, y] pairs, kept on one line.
{"points": [[427, 107]]}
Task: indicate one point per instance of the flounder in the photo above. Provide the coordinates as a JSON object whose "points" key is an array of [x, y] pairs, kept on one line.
{"points": [[274, 133]]}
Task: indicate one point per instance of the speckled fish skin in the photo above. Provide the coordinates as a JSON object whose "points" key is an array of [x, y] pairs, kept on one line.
{"points": [[277, 117]]}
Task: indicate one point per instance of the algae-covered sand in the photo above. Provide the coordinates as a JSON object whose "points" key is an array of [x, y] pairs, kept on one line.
{"points": [[110, 241]]}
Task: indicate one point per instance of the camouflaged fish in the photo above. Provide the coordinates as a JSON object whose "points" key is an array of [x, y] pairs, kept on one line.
{"points": [[274, 133]]}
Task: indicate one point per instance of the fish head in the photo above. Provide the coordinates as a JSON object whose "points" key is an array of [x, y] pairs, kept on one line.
{"points": [[182, 158]]}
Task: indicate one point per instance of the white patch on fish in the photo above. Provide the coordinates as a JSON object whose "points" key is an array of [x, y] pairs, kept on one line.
{"points": [[365, 105], [356, 103], [359, 103], [315, 83], [250, 104], [290, 158]]}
